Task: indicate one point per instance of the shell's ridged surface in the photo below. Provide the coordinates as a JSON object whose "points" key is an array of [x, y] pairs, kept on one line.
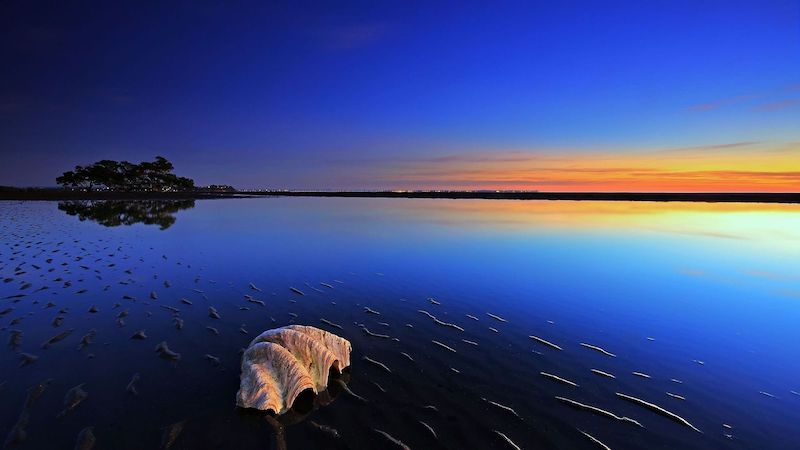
{"points": [[279, 364], [340, 347]]}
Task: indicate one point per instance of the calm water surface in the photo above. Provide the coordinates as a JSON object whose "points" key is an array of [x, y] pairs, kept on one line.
{"points": [[704, 294]]}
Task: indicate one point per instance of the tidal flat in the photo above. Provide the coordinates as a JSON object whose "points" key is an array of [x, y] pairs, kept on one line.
{"points": [[474, 323]]}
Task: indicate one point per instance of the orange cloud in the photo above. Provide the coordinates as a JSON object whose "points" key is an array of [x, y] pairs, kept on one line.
{"points": [[737, 167]]}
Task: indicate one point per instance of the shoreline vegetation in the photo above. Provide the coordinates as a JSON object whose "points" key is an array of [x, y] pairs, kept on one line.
{"points": [[122, 180], [10, 193], [110, 180]]}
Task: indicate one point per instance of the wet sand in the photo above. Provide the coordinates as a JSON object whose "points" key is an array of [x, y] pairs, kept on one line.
{"points": [[447, 372]]}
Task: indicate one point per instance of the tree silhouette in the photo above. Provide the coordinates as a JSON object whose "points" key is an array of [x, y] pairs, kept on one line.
{"points": [[155, 176]]}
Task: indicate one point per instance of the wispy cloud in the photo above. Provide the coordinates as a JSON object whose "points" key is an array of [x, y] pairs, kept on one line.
{"points": [[732, 166], [477, 158], [776, 103], [692, 272], [356, 36], [716, 104], [736, 175], [771, 275], [725, 146], [782, 104]]}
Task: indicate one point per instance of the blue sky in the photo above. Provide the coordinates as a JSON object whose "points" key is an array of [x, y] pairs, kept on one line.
{"points": [[335, 95]]}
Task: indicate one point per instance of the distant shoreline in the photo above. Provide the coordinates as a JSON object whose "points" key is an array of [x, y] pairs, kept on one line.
{"points": [[582, 196], [711, 197], [58, 194]]}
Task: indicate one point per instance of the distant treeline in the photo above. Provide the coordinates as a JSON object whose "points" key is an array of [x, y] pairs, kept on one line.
{"points": [[124, 176]]}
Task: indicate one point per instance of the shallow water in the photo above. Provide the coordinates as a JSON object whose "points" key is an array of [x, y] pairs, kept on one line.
{"points": [[711, 283]]}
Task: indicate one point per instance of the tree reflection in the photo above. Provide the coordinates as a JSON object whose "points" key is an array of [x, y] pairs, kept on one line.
{"points": [[113, 213]]}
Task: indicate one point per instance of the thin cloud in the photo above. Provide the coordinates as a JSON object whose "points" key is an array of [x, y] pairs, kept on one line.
{"points": [[548, 155], [725, 146], [713, 234], [476, 158], [452, 158], [775, 106], [768, 106], [692, 272], [534, 155], [735, 174], [356, 36], [720, 167], [789, 293], [771, 275], [710, 106], [483, 175]]}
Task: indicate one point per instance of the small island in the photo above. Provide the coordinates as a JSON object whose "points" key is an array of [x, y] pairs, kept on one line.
{"points": [[120, 180], [123, 176]]}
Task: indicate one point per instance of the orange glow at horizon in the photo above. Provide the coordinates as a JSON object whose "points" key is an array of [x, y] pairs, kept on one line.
{"points": [[688, 170]]}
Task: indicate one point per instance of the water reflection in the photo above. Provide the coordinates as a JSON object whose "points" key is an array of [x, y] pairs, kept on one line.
{"points": [[706, 294], [113, 213]]}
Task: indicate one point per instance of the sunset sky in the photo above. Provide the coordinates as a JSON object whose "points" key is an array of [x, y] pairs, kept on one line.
{"points": [[554, 96]]}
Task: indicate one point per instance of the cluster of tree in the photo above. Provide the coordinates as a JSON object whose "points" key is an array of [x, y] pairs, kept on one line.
{"points": [[112, 175], [113, 213]]}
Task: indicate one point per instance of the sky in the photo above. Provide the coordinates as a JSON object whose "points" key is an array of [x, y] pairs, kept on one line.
{"points": [[552, 96]]}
